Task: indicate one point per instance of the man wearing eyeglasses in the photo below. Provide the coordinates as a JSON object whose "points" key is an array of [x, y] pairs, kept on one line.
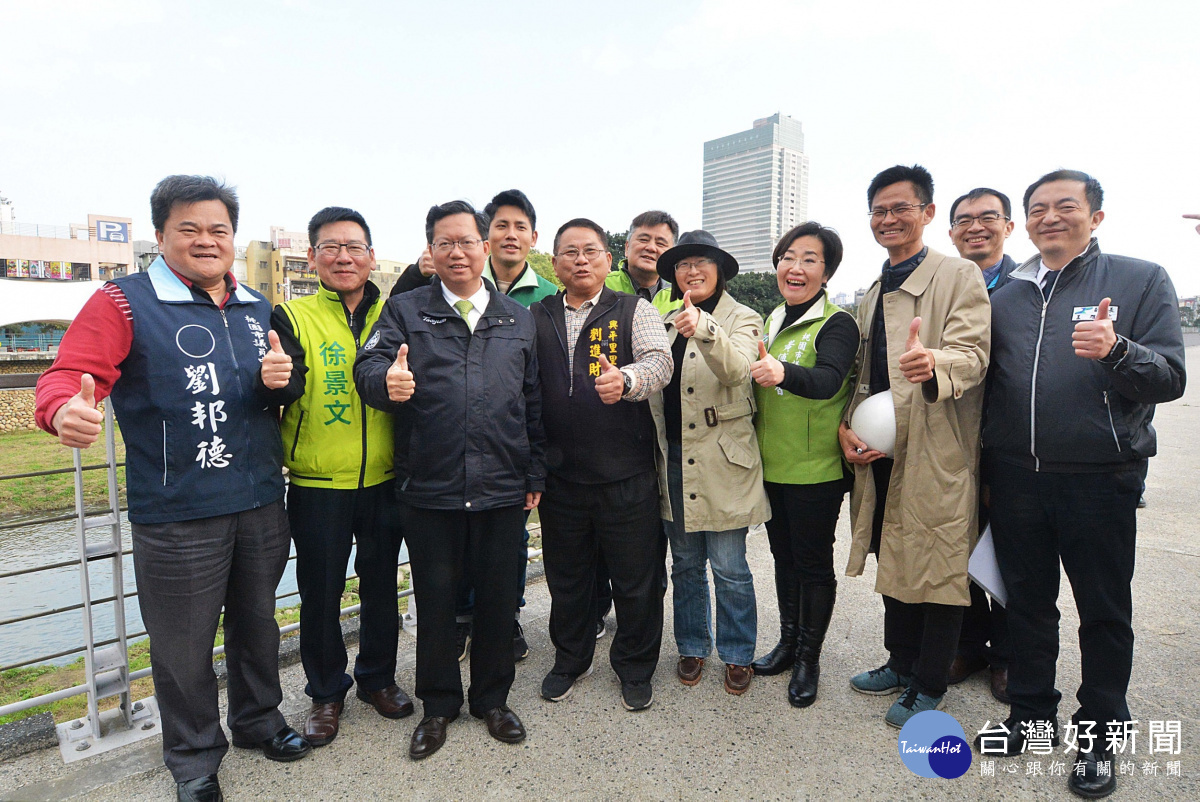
{"points": [[512, 233], [1086, 344], [602, 355], [342, 487], [980, 223], [456, 364], [927, 322]]}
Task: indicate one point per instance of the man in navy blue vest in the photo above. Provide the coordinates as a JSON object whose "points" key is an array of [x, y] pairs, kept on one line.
{"points": [[601, 353], [179, 347]]}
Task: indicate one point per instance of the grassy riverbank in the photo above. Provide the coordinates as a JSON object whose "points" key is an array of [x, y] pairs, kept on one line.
{"points": [[26, 683], [29, 452]]}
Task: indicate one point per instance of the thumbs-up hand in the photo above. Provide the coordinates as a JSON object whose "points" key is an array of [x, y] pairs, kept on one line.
{"points": [[767, 371], [610, 384], [276, 367], [78, 421], [1094, 339], [400, 384], [916, 363], [688, 318]]}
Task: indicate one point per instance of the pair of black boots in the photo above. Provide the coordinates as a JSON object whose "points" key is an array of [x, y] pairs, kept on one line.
{"points": [[804, 613]]}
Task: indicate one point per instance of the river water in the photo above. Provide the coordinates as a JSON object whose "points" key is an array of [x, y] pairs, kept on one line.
{"points": [[44, 544]]}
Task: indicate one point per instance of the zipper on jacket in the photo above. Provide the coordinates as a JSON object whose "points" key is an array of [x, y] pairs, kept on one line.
{"points": [[1111, 425], [237, 377], [1037, 353]]}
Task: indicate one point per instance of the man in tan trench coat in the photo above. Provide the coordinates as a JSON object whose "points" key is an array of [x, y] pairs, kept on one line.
{"points": [[927, 325]]}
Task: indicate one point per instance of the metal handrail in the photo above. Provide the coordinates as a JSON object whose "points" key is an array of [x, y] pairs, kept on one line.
{"points": [[65, 693]]}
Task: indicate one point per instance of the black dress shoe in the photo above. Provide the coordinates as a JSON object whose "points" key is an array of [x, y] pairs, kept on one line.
{"points": [[1089, 782], [201, 789], [503, 724], [1010, 745], [287, 745], [429, 736]]}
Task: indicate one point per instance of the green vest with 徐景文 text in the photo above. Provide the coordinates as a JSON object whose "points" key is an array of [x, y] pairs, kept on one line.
{"points": [[797, 436], [330, 437]]}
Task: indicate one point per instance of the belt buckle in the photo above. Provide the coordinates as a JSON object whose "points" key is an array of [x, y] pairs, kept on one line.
{"points": [[710, 416]]}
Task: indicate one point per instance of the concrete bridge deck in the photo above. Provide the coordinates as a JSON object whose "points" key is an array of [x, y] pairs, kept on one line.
{"points": [[700, 742]]}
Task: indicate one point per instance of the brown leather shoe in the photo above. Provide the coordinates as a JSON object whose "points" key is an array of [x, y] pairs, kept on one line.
{"points": [[737, 679], [429, 736], [391, 702], [321, 725], [1000, 685], [689, 670], [503, 724], [963, 667]]}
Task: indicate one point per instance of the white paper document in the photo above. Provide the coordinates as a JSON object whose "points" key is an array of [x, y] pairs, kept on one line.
{"points": [[982, 567]]}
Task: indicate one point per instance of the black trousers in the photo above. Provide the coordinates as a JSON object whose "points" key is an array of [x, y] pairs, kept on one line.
{"points": [[440, 544], [984, 630], [623, 519], [186, 571], [921, 639], [1088, 521], [325, 524], [801, 530]]}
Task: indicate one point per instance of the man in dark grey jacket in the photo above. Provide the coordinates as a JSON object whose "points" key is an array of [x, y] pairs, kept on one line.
{"points": [[457, 362], [980, 223], [1084, 344]]}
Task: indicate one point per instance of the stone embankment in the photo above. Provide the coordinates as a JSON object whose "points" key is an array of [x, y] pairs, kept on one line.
{"points": [[16, 411]]}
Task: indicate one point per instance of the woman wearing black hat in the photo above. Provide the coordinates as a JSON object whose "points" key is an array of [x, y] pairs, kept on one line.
{"points": [[803, 377], [709, 460]]}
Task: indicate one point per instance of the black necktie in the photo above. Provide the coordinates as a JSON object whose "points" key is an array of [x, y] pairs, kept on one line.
{"points": [[1048, 283]]}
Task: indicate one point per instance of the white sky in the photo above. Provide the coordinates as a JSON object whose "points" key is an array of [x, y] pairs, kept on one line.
{"points": [[598, 111]]}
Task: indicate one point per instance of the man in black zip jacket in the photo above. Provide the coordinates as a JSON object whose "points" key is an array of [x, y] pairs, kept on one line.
{"points": [[1084, 344], [456, 362]]}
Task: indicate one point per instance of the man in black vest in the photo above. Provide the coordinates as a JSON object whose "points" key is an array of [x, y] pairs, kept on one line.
{"points": [[601, 354]]}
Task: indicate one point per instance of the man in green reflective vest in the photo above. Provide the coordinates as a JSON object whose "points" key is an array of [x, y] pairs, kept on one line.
{"points": [[650, 234], [338, 452], [512, 233]]}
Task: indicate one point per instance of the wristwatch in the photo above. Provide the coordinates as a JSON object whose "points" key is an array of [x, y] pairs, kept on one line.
{"points": [[628, 382], [1119, 350]]}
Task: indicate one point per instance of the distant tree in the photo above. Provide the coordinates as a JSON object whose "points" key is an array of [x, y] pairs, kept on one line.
{"points": [[616, 246], [758, 290], [540, 262]]}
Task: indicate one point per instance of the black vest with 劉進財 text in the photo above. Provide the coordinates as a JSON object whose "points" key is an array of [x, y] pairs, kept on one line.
{"points": [[588, 441]]}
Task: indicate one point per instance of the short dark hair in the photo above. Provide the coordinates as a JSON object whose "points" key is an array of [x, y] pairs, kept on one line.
{"points": [[1091, 187], [916, 175], [515, 198], [677, 293], [187, 189], [831, 244], [335, 214], [581, 222], [653, 218], [454, 207], [982, 192]]}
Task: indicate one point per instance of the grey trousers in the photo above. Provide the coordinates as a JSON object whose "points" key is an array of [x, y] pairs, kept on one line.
{"points": [[186, 571]]}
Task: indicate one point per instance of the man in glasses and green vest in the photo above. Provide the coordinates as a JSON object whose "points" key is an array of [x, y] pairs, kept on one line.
{"points": [[338, 452]]}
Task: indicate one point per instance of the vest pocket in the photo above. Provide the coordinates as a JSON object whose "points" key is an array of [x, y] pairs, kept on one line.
{"points": [[165, 453], [296, 439]]}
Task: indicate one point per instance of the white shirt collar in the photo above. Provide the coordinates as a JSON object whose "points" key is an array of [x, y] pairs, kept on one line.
{"points": [[479, 300]]}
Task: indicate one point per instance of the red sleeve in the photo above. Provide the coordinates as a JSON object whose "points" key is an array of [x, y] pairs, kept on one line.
{"points": [[97, 342]]}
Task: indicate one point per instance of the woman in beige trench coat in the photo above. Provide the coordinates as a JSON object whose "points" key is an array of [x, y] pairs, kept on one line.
{"points": [[709, 467]]}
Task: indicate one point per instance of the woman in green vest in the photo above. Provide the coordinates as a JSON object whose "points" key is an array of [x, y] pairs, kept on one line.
{"points": [[803, 383]]}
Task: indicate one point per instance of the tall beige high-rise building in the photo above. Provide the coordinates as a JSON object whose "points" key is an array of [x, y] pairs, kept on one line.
{"points": [[755, 188]]}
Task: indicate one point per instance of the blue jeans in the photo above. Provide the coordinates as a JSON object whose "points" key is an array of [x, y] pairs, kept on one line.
{"points": [[737, 611]]}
